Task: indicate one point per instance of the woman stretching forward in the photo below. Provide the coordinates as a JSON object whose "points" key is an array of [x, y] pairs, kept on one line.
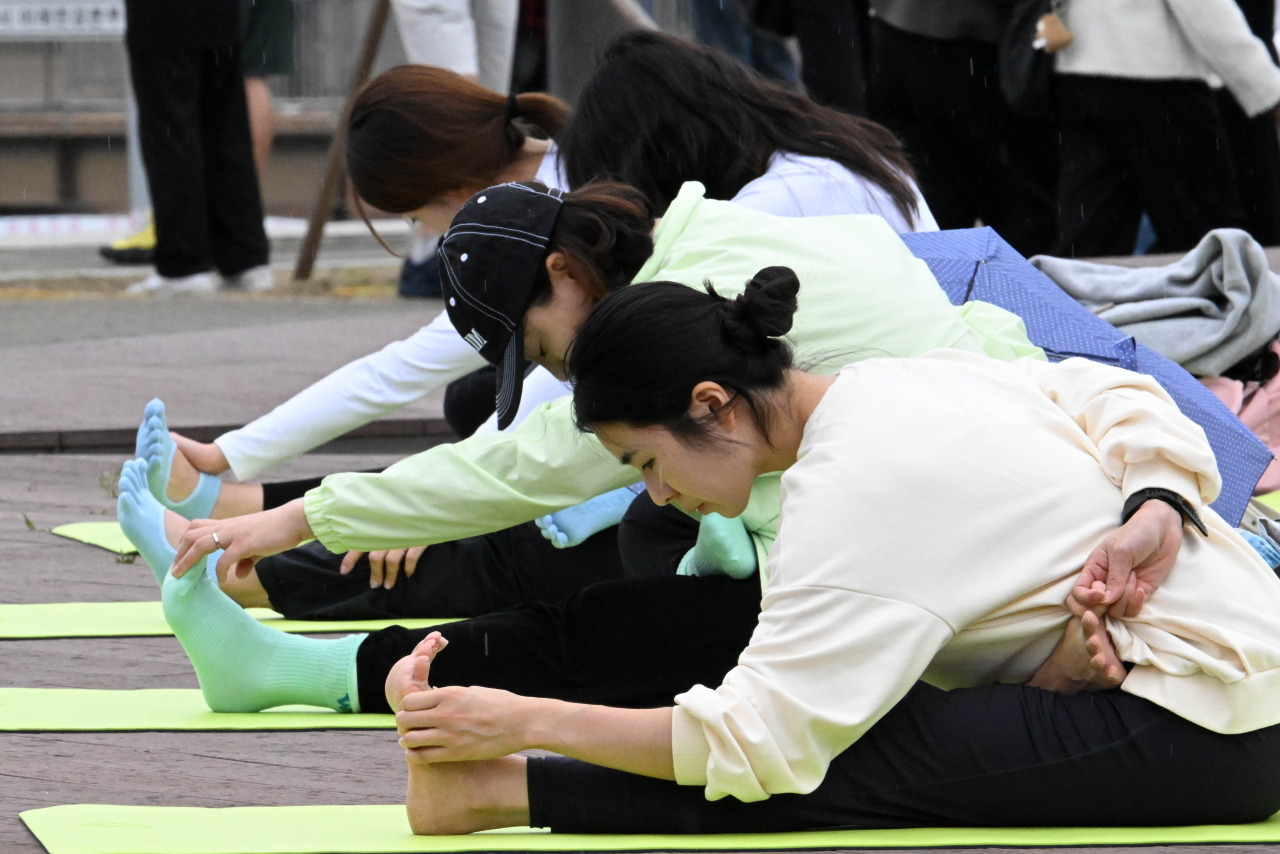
{"points": [[822, 723]]}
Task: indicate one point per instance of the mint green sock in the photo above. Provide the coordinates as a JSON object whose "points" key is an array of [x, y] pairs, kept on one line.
{"points": [[243, 666], [724, 548]]}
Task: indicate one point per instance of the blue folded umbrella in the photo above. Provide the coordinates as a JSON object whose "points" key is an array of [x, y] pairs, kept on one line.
{"points": [[975, 263]]}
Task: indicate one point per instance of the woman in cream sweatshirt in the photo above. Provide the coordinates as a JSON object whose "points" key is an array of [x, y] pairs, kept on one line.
{"points": [[823, 723]]}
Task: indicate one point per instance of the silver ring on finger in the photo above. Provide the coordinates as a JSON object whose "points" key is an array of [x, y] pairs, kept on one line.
{"points": [[215, 539]]}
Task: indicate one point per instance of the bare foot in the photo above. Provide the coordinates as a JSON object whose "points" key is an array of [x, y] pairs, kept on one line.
{"points": [[207, 458], [183, 476], [174, 527], [1084, 660], [462, 797], [409, 674]]}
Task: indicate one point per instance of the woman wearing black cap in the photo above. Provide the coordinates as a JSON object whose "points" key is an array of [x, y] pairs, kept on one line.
{"points": [[745, 139], [524, 245]]}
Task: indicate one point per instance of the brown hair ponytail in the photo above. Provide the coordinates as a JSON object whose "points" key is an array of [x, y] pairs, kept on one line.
{"points": [[415, 132]]}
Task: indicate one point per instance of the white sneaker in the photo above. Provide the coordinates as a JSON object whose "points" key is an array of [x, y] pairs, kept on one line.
{"points": [[261, 278], [198, 283]]}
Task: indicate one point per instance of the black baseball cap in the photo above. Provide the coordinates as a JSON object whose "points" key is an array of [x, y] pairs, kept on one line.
{"points": [[490, 260]]}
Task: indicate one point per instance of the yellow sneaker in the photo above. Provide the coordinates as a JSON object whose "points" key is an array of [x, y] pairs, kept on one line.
{"points": [[137, 248]]}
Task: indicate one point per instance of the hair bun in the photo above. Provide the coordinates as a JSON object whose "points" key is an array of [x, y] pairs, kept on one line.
{"points": [[763, 311]]}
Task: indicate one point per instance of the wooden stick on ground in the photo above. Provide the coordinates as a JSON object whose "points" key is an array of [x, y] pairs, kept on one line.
{"points": [[334, 170]]}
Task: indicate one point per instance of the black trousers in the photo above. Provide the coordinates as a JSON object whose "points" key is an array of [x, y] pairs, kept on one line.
{"points": [[193, 123], [1255, 158], [476, 575], [461, 578], [974, 158], [832, 35], [633, 643], [1134, 145], [995, 755]]}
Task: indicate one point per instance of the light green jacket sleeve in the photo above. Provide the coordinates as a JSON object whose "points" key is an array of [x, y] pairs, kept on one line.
{"points": [[482, 484]]}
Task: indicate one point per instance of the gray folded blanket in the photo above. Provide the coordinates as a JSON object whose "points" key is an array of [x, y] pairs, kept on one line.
{"points": [[1206, 312]]}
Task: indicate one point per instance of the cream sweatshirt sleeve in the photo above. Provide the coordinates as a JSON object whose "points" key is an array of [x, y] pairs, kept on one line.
{"points": [[857, 604], [351, 396], [1143, 439], [1217, 29]]}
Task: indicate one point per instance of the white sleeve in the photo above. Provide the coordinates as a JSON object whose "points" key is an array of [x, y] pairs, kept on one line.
{"points": [[1143, 439], [355, 394], [1217, 29]]}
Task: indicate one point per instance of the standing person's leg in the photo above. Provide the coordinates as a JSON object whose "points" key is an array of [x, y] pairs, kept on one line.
{"points": [[268, 49], [262, 121], [1172, 142], [1255, 155], [439, 33], [632, 643], [167, 85], [1098, 205], [231, 181], [975, 158], [996, 755], [832, 38], [495, 23]]}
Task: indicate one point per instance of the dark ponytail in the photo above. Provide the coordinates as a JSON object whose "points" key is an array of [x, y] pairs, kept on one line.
{"points": [[658, 112], [605, 232], [639, 355]]}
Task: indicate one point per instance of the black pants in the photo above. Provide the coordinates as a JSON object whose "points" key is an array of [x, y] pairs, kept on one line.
{"points": [[1135, 145], [461, 578], [472, 576], [193, 123], [832, 36], [975, 159], [634, 643], [995, 755], [1255, 158]]}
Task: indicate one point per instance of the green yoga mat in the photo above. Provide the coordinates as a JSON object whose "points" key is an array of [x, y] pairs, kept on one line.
{"points": [[101, 829], [104, 535], [144, 619], [154, 709]]}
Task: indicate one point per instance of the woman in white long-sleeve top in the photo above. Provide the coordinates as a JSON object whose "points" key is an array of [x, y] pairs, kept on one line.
{"points": [[420, 141], [822, 722]]}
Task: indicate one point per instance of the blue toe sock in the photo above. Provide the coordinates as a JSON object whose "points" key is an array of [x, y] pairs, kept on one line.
{"points": [[156, 446], [573, 525], [142, 519]]}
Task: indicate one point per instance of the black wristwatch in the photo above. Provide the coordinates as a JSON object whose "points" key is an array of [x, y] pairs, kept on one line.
{"points": [[1168, 496]]}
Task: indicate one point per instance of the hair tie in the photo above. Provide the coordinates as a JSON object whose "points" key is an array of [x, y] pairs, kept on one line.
{"points": [[513, 107]]}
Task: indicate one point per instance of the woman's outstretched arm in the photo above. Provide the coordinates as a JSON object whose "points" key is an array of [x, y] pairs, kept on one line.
{"points": [[454, 724]]}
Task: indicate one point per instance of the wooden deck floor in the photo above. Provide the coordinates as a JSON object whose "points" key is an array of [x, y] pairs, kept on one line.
{"points": [[177, 769], [180, 769]]}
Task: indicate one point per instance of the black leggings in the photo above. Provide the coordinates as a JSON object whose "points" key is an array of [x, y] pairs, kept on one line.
{"points": [[478, 575], [994, 755], [634, 643]]}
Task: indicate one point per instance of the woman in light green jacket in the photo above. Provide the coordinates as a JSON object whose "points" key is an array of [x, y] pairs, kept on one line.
{"points": [[864, 291]]}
